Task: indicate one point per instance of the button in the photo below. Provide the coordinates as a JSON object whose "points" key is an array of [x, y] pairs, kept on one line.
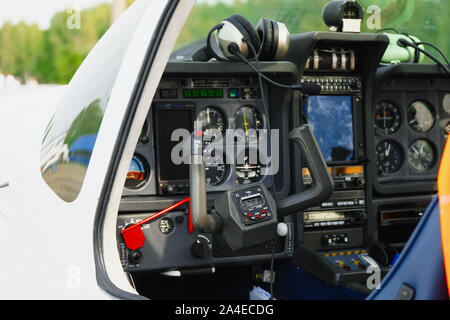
{"points": [[347, 268], [341, 253], [356, 262], [326, 254], [233, 93], [362, 267], [349, 253], [168, 93], [334, 254], [258, 216], [264, 211], [250, 215], [363, 251], [356, 251], [341, 263]]}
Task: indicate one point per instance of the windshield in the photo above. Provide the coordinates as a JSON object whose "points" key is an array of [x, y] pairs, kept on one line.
{"points": [[424, 19]]}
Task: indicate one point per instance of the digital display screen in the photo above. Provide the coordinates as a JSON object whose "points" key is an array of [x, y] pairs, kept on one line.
{"points": [[252, 202], [203, 93], [331, 119], [167, 120]]}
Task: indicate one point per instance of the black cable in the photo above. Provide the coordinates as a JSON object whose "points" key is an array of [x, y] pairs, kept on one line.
{"points": [[435, 48], [404, 42], [256, 55], [416, 52], [271, 266], [263, 96], [235, 50]]}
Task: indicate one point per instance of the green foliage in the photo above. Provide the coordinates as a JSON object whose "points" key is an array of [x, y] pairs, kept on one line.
{"points": [[53, 55], [426, 19]]}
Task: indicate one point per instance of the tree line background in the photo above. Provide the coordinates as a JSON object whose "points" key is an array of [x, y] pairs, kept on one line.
{"points": [[53, 55]]}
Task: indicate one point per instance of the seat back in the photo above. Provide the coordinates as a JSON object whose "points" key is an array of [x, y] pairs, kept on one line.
{"points": [[419, 272], [444, 207]]}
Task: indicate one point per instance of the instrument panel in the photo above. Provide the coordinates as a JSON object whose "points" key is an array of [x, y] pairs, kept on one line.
{"points": [[398, 137], [230, 118], [234, 125], [409, 129], [234, 122], [421, 154]]}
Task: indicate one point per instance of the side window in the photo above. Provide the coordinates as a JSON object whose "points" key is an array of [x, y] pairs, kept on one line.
{"points": [[72, 132]]}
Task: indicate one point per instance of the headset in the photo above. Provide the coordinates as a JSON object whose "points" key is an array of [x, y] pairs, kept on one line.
{"points": [[270, 39], [235, 39]]}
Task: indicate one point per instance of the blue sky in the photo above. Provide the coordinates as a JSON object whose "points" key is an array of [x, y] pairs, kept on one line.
{"points": [[41, 11]]}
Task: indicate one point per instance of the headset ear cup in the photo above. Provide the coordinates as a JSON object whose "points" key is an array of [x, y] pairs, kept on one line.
{"points": [[266, 34], [247, 30]]}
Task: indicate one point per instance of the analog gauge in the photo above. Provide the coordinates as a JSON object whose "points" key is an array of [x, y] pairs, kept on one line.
{"points": [[248, 119], [446, 103], [249, 171], [213, 123], [212, 120], [420, 117], [421, 156], [387, 118], [216, 174], [216, 170], [137, 174], [390, 157]]}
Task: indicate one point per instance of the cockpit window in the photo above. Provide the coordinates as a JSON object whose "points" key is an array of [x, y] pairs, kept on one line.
{"points": [[424, 19], [71, 134]]}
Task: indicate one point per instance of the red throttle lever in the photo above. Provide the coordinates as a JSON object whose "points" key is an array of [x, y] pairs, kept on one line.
{"points": [[134, 237]]}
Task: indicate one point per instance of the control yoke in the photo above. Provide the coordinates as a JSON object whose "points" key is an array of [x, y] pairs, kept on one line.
{"points": [[322, 187], [248, 215]]}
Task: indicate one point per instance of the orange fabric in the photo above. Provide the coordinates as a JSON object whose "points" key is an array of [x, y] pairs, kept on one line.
{"points": [[444, 208]]}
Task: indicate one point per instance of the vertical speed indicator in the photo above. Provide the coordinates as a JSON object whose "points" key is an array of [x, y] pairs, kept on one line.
{"points": [[421, 156]]}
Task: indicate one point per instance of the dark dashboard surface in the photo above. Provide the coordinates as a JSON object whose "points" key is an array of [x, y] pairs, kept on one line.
{"points": [[383, 156]]}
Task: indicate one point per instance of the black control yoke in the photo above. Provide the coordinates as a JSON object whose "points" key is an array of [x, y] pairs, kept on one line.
{"points": [[248, 215], [322, 187]]}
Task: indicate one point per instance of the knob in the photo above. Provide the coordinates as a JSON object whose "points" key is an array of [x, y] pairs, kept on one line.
{"points": [[361, 181], [200, 249], [170, 188], [282, 229], [135, 256]]}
